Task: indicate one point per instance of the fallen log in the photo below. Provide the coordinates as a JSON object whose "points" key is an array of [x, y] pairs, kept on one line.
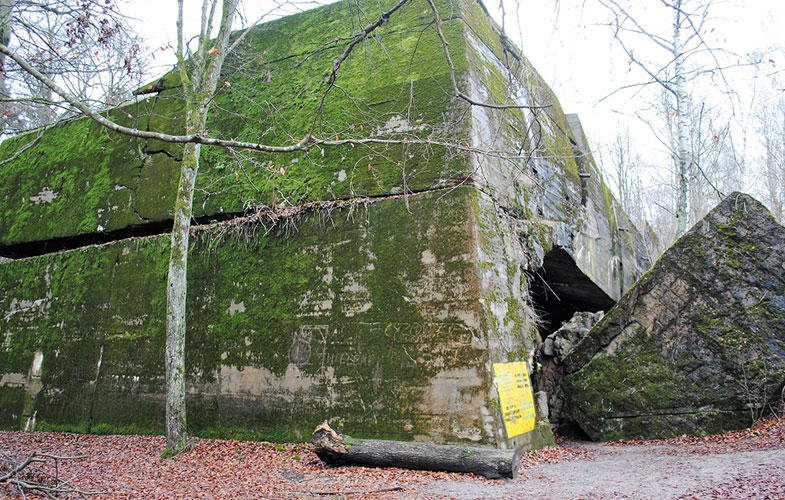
{"points": [[334, 448]]}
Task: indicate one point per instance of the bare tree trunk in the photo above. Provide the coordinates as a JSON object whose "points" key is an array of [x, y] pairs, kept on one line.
{"points": [[621, 156], [683, 155], [778, 157], [6, 8], [199, 85], [772, 181], [175, 303]]}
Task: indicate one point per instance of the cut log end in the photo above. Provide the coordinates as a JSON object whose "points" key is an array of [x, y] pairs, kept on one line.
{"points": [[328, 443], [334, 448]]}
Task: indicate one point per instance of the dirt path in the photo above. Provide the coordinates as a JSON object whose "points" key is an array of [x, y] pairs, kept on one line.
{"points": [[742, 464], [639, 472]]}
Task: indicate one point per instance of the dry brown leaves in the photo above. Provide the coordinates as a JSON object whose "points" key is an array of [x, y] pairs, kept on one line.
{"points": [[765, 434], [125, 467], [553, 455], [766, 485]]}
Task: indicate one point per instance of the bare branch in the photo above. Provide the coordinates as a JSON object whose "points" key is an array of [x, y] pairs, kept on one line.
{"points": [[303, 145], [660, 41], [359, 37], [456, 91], [24, 148], [26, 478]]}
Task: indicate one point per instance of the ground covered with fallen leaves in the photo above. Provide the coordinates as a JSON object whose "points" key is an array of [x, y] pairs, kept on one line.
{"points": [[740, 464]]}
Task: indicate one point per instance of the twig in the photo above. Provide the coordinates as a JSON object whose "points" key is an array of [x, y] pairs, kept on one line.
{"points": [[25, 147], [14, 471], [348, 492], [359, 37], [60, 486], [453, 81]]}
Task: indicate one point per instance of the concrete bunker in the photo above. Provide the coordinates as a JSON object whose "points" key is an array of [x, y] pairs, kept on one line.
{"points": [[398, 324]]}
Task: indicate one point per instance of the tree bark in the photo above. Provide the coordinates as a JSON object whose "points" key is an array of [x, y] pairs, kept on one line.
{"points": [[334, 448], [683, 150], [175, 303], [6, 12], [198, 87]]}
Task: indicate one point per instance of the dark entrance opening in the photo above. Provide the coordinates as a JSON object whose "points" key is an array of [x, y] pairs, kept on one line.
{"points": [[559, 289]]}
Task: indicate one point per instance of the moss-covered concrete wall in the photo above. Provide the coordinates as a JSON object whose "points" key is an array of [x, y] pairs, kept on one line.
{"points": [[369, 318], [79, 178], [385, 319], [536, 164]]}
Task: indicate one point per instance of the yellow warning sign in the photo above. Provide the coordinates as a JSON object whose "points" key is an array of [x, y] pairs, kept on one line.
{"points": [[515, 396]]}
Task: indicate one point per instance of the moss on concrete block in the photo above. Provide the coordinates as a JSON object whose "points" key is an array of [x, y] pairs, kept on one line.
{"points": [[696, 346], [12, 402], [369, 317], [80, 178]]}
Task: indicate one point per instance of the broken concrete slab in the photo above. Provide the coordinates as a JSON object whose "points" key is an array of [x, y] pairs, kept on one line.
{"points": [[698, 344], [561, 342]]}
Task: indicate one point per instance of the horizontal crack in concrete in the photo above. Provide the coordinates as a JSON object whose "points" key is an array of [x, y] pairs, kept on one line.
{"points": [[265, 215]]}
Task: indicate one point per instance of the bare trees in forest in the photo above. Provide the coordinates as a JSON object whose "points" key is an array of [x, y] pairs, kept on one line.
{"points": [[770, 125], [684, 71], [667, 65], [85, 46]]}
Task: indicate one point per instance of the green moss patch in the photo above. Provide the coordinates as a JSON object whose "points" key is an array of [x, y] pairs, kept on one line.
{"points": [[80, 178], [351, 315]]}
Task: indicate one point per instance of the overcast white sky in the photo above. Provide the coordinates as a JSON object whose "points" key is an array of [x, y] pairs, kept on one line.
{"points": [[575, 53]]}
